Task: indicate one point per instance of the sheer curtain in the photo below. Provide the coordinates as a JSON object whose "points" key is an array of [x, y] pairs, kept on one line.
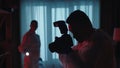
{"points": [[48, 11]]}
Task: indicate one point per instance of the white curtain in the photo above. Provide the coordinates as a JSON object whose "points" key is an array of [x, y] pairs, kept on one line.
{"points": [[48, 11]]}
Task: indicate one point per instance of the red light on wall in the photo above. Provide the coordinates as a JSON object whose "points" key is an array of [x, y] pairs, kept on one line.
{"points": [[116, 34]]}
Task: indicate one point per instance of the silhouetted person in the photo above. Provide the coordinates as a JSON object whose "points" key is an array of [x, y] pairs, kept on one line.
{"points": [[30, 47], [95, 48]]}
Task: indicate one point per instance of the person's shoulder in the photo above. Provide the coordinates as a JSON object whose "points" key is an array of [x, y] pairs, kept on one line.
{"points": [[101, 36], [27, 34], [76, 47], [37, 35]]}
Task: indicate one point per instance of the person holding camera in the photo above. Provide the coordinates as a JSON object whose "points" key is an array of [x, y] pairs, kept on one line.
{"points": [[95, 48]]}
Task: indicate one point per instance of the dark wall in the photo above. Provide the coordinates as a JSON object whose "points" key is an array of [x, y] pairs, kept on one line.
{"points": [[12, 6], [109, 15]]}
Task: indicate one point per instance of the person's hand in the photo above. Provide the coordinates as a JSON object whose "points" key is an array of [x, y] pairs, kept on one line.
{"points": [[63, 44], [52, 47]]}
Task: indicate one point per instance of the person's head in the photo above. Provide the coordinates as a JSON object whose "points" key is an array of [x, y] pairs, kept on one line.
{"points": [[80, 25], [33, 25]]}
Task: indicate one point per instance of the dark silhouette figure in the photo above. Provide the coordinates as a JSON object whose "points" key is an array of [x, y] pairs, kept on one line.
{"points": [[30, 47], [95, 48], [64, 43]]}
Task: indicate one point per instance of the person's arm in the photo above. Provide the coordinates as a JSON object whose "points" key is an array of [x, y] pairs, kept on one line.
{"points": [[23, 44]]}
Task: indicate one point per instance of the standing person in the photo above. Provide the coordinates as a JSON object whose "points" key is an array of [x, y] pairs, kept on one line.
{"points": [[30, 47], [95, 48]]}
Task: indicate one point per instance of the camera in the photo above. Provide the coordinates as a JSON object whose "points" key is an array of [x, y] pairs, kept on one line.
{"points": [[64, 43]]}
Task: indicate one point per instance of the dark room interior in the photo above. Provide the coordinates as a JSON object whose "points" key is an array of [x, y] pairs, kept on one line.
{"points": [[10, 29]]}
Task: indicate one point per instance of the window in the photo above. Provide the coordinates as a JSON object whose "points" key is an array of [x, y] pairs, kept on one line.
{"points": [[46, 12]]}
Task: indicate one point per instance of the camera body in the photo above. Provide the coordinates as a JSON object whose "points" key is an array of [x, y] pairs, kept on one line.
{"points": [[64, 43], [62, 26]]}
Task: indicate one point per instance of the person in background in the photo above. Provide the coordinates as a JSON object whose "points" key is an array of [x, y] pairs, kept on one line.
{"points": [[30, 47], [95, 47]]}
